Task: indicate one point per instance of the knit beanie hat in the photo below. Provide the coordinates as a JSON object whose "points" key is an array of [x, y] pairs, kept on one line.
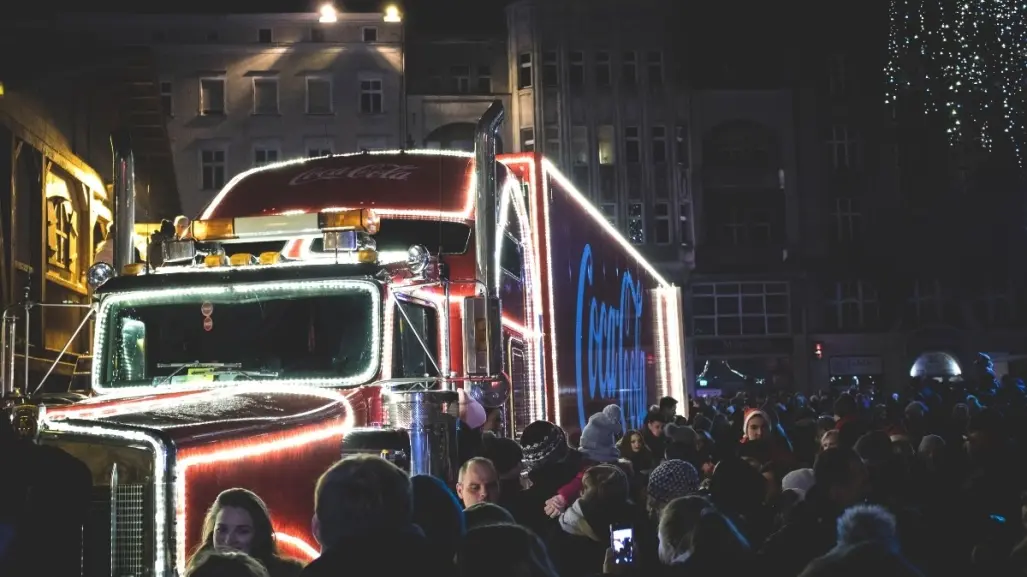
{"points": [[598, 438], [672, 479], [543, 442], [800, 481], [616, 415]]}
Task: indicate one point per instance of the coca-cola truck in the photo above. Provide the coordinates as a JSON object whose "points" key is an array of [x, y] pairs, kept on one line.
{"points": [[336, 304]]}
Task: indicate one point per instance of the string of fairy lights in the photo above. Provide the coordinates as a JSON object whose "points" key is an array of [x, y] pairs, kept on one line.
{"points": [[968, 60]]}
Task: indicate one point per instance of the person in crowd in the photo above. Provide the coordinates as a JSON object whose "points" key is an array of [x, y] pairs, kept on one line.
{"points": [[717, 548], [487, 514], [762, 443], [182, 230], [681, 442], [677, 525], [503, 551], [633, 449], [238, 520], [652, 433], [841, 480], [438, 513], [598, 445], [508, 458], [477, 482], [550, 464], [363, 517], [578, 545], [669, 407], [216, 563]]}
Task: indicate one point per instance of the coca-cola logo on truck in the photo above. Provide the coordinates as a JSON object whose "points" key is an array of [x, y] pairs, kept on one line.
{"points": [[368, 171]]}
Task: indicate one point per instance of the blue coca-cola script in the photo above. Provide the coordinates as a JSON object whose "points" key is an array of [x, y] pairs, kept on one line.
{"points": [[610, 361]]}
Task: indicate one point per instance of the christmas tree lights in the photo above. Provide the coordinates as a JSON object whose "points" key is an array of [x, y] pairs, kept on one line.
{"points": [[967, 61]]}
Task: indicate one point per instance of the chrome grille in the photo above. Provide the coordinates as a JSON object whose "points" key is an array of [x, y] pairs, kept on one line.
{"points": [[519, 391], [115, 545]]}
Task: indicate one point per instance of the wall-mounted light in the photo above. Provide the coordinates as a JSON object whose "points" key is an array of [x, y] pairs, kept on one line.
{"points": [[392, 14], [328, 14]]}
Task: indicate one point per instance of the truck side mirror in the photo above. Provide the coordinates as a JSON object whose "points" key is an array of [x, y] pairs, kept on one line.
{"points": [[482, 336]]}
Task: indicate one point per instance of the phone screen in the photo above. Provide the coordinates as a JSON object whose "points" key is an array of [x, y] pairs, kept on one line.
{"points": [[622, 539]]}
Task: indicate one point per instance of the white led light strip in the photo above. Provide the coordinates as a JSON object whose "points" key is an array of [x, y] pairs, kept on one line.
{"points": [[309, 286], [160, 493], [469, 204]]}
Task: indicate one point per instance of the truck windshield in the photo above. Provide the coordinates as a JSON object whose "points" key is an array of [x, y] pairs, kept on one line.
{"points": [[304, 332]]}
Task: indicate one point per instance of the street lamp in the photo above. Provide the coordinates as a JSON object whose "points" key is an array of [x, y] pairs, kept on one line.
{"points": [[328, 14], [392, 14]]}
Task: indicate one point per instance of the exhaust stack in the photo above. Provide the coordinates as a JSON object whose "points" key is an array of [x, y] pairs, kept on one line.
{"points": [[482, 316], [486, 212], [124, 200]]}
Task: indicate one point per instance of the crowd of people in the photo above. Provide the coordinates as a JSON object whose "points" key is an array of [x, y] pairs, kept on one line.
{"points": [[923, 482]]}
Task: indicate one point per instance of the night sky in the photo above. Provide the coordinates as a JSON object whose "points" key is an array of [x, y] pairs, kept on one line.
{"points": [[433, 16]]}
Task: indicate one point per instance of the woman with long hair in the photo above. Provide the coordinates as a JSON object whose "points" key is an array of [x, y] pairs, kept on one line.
{"points": [[238, 520]]}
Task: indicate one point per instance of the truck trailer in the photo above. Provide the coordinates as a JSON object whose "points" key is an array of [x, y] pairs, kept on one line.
{"points": [[332, 305]]}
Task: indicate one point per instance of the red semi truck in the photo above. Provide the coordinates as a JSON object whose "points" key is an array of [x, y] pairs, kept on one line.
{"points": [[336, 304]]}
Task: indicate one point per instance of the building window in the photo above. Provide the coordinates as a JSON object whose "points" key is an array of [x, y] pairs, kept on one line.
{"points": [[629, 68], [847, 218], [212, 168], [484, 79], [552, 141], [606, 144], [740, 309], [317, 34], [636, 223], [524, 71], [528, 139], [579, 145], [609, 210], [602, 68], [550, 69], [852, 306], [654, 67], [659, 144], [842, 146], [212, 96], [681, 148], [266, 153], [265, 96], [836, 74], [319, 95], [576, 69], [661, 223], [369, 34], [927, 303], [62, 226], [632, 145], [461, 76], [685, 223], [167, 97], [264, 36], [371, 95], [317, 147]]}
